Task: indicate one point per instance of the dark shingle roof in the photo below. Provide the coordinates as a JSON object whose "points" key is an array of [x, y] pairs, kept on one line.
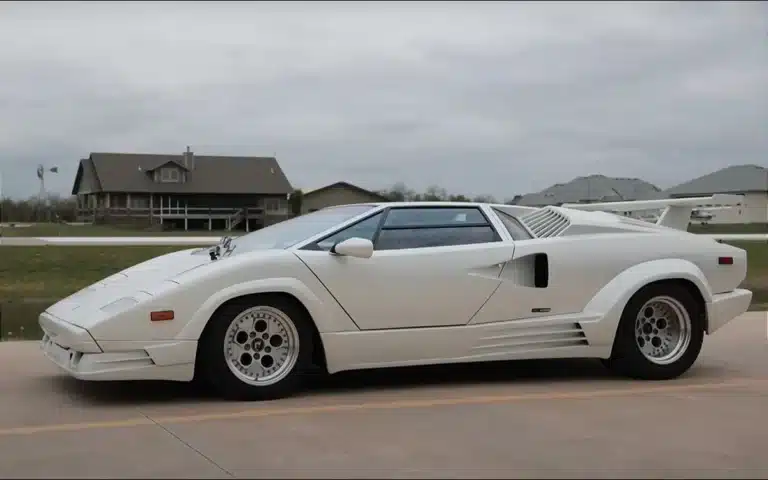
{"points": [[596, 188], [129, 172], [734, 179], [348, 186]]}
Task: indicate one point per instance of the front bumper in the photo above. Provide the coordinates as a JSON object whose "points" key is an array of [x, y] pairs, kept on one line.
{"points": [[724, 307], [73, 350]]}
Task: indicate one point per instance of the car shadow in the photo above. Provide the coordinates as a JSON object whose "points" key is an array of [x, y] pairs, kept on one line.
{"points": [[519, 372]]}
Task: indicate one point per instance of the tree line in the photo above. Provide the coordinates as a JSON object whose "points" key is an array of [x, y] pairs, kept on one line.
{"points": [[54, 208], [399, 192]]}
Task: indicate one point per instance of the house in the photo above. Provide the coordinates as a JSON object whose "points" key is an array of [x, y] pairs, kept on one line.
{"points": [[748, 180], [339, 193], [591, 189], [189, 191]]}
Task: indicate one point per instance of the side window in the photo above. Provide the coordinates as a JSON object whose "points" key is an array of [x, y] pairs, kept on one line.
{"points": [[434, 227], [513, 226], [426, 217], [400, 238], [363, 229]]}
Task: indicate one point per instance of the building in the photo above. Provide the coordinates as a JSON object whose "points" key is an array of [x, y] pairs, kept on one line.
{"points": [[188, 191], [591, 189], [339, 193], [748, 180]]}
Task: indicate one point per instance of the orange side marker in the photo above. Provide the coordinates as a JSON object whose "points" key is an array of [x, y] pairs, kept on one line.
{"points": [[161, 316]]}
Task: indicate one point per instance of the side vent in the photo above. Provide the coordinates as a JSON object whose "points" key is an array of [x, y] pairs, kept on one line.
{"points": [[532, 338], [546, 222]]}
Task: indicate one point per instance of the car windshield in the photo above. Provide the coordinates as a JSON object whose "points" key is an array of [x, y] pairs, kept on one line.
{"points": [[287, 233]]}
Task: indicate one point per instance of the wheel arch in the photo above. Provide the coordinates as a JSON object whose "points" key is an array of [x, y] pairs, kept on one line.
{"points": [[612, 299], [691, 288], [318, 349]]}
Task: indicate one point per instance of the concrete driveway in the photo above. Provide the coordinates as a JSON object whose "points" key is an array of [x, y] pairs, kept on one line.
{"points": [[514, 419]]}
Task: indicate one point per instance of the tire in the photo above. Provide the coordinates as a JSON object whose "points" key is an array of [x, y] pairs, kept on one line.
{"points": [[257, 348], [660, 333]]}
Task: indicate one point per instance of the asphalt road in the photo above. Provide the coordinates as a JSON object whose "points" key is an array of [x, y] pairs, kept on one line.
{"points": [[515, 419]]}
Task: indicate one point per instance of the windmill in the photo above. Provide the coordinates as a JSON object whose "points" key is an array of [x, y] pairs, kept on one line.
{"points": [[42, 197]]}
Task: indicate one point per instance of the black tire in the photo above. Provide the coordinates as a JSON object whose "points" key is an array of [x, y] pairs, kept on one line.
{"points": [[627, 358], [213, 366]]}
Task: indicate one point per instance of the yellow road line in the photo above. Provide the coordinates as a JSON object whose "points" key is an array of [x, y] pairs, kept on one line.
{"points": [[391, 405]]}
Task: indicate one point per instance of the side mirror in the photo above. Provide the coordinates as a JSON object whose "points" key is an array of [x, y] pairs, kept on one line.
{"points": [[354, 247]]}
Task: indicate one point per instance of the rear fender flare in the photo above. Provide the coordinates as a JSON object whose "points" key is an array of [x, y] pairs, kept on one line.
{"points": [[609, 303]]}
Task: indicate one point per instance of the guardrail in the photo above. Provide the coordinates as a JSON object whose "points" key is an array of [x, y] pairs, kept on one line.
{"points": [[212, 240]]}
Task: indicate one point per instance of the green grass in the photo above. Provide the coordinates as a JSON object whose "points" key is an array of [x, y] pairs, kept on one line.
{"points": [[728, 228], [54, 271], [64, 230], [32, 278], [757, 272], [18, 319]]}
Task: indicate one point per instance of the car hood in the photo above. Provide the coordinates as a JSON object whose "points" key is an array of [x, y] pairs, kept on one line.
{"points": [[135, 282]]}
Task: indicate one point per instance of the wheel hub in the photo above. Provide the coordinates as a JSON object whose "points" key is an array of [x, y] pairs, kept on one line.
{"points": [[663, 330], [261, 346]]}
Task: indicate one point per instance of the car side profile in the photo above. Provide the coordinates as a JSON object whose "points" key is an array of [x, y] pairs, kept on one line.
{"points": [[397, 284]]}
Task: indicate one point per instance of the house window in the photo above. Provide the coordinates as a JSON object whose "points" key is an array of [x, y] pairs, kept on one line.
{"points": [[275, 205], [170, 175]]}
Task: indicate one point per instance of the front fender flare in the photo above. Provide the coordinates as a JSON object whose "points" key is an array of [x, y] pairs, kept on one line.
{"points": [[609, 303], [324, 320]]}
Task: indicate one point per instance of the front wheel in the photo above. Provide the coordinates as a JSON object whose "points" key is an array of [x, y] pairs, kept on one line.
{"points": [[660, 334], [257, 349]]}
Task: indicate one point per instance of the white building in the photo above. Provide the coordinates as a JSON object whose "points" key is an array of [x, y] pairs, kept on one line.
{"points": [[748, 180]]}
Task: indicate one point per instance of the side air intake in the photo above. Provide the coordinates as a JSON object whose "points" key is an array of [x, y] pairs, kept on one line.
{"points": [[546, 222]]}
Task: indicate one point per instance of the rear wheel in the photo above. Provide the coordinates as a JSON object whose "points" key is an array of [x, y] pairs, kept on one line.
{"points": [[257, 348], [660, 333]]}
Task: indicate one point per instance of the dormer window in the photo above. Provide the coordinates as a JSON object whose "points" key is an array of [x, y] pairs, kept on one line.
{"points": [[170, 175]]}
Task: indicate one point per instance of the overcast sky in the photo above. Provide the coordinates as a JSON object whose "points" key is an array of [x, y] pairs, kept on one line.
{"points": [[480, 98]]}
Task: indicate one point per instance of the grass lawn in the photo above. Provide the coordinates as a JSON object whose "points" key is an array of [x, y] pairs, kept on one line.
{"points": [[727, 228], [32, 278], [64, 230]]}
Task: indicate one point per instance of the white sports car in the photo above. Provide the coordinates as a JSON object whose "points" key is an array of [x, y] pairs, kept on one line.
{"points": [[396, 284]]}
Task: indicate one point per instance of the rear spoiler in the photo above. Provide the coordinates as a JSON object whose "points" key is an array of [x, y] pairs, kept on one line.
{"points": [[677, 211]]}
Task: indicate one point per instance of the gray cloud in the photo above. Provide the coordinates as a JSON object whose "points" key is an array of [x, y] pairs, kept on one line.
{"points": [[499, 98]]}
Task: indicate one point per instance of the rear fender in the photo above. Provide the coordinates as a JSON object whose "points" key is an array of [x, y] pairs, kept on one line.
{"points": [[608, 304]]}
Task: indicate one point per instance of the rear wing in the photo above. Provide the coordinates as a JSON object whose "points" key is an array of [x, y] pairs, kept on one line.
{"points": [[677, 211]]}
